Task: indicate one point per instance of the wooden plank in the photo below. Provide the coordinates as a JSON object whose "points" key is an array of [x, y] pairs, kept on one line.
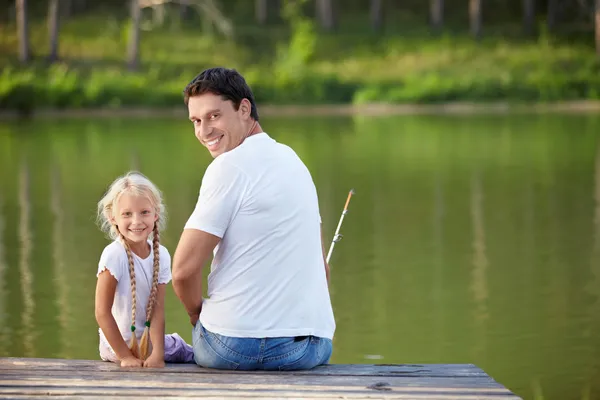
{"points": [[220, 380], [432, 370], [324, 392], [292, 394], [96, 379], [237, 392], [235, 389]]}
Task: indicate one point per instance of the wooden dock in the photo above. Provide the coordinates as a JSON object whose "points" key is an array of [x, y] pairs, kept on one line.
{"points": [[59, 378]]}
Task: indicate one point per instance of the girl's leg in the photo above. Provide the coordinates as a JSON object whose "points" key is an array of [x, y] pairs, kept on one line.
{"points": [[177, 350]]}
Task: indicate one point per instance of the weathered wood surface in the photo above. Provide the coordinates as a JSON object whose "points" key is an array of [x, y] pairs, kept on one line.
{"points": [[27, 378]]}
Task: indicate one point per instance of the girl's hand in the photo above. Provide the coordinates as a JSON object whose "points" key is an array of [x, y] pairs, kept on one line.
{"points": [[155, 361], [131, 361]]}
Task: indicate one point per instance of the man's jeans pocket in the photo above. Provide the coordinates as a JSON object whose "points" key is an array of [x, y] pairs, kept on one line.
{"points": [[317, 352]]}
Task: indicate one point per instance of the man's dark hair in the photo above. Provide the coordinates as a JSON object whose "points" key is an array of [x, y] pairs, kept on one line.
{"points": [[224, 82]]}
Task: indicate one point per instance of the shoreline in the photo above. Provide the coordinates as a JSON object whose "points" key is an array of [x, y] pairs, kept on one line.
{"points": [[373, 109]]}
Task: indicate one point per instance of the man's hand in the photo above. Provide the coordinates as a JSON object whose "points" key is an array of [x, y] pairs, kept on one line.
{"points": [[195, 315], [131, 361], [194, 319], [155, 361]]}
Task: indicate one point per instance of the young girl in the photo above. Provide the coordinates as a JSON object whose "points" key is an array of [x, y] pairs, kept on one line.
{"points": [[132, 275]]}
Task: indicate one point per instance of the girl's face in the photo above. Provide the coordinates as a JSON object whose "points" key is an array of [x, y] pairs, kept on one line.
{"points": [[135, 217]]}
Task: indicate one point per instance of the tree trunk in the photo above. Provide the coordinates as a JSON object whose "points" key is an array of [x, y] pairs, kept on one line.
{"points": [[53, 23], [552, 14], [529, 16], [475, 17], [437, 14], [598, 28], [261, 7], [134, 36], [23, 31], [184, 9], [376, 14], [325, 14]]}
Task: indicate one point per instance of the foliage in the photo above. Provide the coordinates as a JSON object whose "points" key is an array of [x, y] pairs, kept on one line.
{"points": [[60, 87], [293, 63], [294, 54]]}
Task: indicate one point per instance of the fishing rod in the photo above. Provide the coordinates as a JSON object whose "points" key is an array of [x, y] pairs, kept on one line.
{"points": [[337, 237]]}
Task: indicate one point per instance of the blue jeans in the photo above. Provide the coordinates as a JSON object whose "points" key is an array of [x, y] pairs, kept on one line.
{"points": [[212, 350]]}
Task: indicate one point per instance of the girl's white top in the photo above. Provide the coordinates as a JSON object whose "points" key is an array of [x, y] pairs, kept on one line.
{"points": [[114, 259]]}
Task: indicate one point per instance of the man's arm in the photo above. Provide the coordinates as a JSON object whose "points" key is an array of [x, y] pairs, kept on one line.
{"points": [[194, 249], [325, 257]]}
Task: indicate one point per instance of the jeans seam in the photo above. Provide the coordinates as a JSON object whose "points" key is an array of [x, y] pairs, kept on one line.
{"points": [[319, 352], [194, 335], [226, 348], [261, 351]]}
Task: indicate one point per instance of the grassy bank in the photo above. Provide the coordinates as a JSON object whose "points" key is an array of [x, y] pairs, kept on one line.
{"points": [[298, 67]]}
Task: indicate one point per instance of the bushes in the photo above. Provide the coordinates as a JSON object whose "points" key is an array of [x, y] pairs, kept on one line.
{"points": [[61, 86], [295, 64], [536, 86]]}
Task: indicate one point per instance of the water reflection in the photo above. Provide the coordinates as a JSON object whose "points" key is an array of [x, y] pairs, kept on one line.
{"points": [[468, 240], [438, 263], [4, 328], [26, 245], [134, 163], [480, 266], [61, 276], [592, 330]]}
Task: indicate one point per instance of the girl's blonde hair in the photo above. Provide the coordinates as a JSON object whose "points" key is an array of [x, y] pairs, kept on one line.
{"points": [[136, 184]]}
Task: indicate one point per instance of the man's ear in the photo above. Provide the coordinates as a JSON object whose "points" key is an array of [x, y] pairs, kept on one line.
{"points": [[246, 108]]}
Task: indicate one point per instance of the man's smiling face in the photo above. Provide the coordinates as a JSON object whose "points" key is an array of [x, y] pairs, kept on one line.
{"points": [[217, 124]]}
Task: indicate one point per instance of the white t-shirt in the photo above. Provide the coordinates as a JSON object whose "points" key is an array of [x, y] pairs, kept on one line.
{"points": [[267, 276], [114, 259]]}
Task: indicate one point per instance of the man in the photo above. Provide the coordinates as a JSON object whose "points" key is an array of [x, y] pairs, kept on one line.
{"points": [[268, 304]]}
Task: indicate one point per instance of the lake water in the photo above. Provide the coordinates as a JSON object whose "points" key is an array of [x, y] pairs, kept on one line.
{"points": [[471, 239]]}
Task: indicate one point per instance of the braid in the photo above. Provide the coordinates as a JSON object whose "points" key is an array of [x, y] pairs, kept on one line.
{"points": [[144, 342], [156, 248], [133, 344]]}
